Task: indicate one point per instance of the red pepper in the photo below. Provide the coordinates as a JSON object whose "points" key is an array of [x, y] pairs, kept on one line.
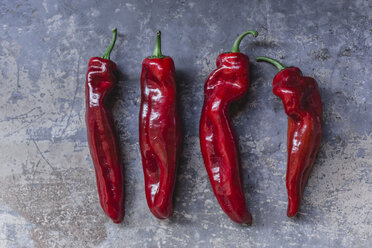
{"points": [[102, 141], [302, 103], [226, 84], [159, 130]]}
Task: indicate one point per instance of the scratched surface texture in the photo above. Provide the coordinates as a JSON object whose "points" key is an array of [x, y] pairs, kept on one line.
{"points": [[48, 194]]}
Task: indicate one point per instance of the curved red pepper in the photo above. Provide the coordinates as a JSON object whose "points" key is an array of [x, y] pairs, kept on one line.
{"points": [[159, 131], [228, 83], [102, 142], [302, 103]]}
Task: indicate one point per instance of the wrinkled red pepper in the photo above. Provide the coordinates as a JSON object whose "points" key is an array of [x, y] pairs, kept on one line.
{"points": [[302, 103], [226, 84], [102, 141], [159, 131]]}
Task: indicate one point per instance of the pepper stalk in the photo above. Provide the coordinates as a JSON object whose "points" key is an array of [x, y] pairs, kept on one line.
{"points": [[235, 48], [106, 55], [274, 62]]}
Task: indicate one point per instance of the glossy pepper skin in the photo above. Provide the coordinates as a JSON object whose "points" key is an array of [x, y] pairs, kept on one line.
{"points": [[159, 131], [226, 84], [102, 141], [302, 103]]}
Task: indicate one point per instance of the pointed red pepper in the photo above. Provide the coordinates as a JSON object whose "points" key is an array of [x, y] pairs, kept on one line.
{"points": [[226, 84], [102, 141], [159, 130], [302, 103]]}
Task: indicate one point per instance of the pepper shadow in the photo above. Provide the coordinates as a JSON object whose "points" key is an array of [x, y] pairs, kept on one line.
{"points": [[262, 44], [321, 160], [237, 108], [183, 189], [242, 104], [115, 98]]}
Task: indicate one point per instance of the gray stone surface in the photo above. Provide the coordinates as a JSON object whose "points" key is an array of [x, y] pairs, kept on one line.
{"points": [[48, 195]]}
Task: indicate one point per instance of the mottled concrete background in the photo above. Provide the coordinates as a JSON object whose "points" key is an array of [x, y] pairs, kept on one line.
{"points": [[48, 195]]}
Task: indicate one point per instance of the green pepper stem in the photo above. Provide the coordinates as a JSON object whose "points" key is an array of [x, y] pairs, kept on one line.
{"points": [[106, 55], [276, 63], [157, 51], [235, 48]]}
